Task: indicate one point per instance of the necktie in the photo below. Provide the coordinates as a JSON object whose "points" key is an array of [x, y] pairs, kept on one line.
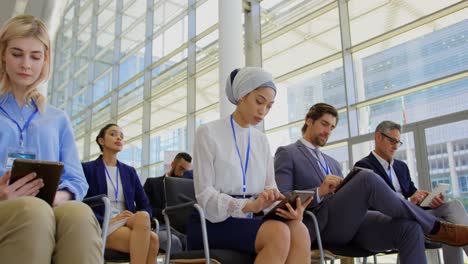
{"points": [[322, 161], [389, 173]]}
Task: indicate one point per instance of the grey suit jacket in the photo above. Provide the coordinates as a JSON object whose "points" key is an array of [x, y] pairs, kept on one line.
{"points": [[297, 169]]}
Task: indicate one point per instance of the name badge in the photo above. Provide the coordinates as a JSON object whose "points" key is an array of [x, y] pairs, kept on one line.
{"points": [[114, 213], [22, 153]]}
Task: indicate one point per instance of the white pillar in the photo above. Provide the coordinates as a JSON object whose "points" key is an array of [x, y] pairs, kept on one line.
{"points": [[230, 47]]}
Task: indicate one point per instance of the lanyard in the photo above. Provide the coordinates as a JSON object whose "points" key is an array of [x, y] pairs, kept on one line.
{"points": [[325, 168], [247, 155], [116, 185], [25, 126]]}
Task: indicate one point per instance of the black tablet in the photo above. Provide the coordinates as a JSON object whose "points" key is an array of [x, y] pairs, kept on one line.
{"points": [[49, 171], [291, 199]]}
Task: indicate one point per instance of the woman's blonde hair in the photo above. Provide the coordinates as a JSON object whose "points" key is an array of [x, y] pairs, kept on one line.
{"points": [[23, 26]]}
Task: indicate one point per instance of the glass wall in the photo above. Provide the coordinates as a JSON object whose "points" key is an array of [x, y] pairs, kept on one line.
{"points": [[128, 61], [384, 60]]}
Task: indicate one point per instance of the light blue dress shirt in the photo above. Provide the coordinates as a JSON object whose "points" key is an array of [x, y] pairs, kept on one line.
{"points": [[49, 134]]}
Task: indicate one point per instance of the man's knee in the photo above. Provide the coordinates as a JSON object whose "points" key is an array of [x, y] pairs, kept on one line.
{"points": [[31, 209], [31, 213], [452, 211], [454, 206], [76, 214]]}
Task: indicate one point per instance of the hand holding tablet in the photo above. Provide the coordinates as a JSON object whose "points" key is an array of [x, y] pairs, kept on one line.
{"points": [[291, 199], [440, 188], [49, 171]]}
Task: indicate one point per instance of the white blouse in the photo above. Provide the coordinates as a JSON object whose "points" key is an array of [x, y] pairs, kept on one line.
{"points": [[217, 170]]}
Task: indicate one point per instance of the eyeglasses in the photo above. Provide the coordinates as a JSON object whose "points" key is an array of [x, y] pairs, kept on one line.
{"points": [[392, 140]]}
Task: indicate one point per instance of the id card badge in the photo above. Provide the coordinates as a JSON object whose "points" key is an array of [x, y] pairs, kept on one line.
{"points": [[114, 209], [18, 153], [115, 212]]}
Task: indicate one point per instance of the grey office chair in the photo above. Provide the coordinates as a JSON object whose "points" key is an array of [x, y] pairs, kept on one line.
{"points": [[180, 202]]}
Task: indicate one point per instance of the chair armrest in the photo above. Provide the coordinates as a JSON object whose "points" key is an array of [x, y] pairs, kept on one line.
{"points": [[173, 208], [94, 201], [155, 225], [203, 227], [101, 200]]}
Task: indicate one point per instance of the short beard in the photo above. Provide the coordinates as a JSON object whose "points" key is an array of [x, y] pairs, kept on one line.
{"points": [[318, 143]]}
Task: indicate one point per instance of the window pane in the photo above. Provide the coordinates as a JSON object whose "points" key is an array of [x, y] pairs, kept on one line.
{"points": [[446, 144], [171, 138], [380, 16], [417, 60], [320, 35], [432, 102], [207, 91], [169, 106], [207, 15], [131, 153], [131, 123]]}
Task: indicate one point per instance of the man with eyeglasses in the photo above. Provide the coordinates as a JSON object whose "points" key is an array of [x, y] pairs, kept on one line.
{"points": [[364, 212], [396, 174]]}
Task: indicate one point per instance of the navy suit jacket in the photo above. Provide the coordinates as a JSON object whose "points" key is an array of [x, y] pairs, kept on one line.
{"points": [[400, 168], [154, 188], [297, 169], [135, 197]]}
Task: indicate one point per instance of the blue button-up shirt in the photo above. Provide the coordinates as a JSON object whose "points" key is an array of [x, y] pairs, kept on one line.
{"points": [[49, 134]]}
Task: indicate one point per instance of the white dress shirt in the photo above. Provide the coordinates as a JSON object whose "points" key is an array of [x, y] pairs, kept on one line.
{"points": [[385, 164], [217, 170]]}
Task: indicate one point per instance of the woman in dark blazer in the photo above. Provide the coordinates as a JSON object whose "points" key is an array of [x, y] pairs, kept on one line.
{"points": [[129, 229]]}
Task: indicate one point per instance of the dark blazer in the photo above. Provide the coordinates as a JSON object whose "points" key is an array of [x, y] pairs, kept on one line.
{"points": [[400, 168], [297, 169], [135, 197], [154, 189]]}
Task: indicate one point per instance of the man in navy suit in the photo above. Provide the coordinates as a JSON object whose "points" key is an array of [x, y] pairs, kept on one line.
{"points": [[154, 188], [397, 176], [344, 217]]}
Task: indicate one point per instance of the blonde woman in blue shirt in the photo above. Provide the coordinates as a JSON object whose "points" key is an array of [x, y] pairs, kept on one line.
{"points": [[30, 230]]}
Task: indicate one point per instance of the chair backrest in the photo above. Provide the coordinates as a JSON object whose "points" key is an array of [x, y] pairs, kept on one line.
{"points": [[178, 191]]}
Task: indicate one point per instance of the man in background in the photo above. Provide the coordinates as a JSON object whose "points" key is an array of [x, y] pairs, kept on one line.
{"points": [[154, 188], [181, 166], [397, 176]]}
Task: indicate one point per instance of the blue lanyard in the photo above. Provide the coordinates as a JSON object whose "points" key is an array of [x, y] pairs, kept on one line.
{"points": [[247, 155], [25, 126], [325, 168], [116, 185]]}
